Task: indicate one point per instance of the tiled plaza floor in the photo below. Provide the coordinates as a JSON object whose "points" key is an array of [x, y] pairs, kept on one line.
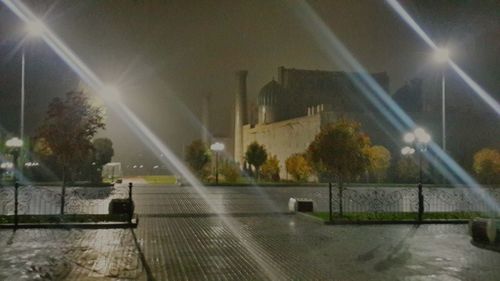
{"points": [[180, 238]]}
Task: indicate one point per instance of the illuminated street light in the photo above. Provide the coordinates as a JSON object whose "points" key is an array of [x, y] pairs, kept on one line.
{"points": [[418, 139], [407, 150], [111, 91], [217, 147], [422, 136], [441, 55], [409, 137], [15, 145], [34, 29]]}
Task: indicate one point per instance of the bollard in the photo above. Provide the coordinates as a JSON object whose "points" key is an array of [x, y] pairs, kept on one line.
{"points": [[330, 200], [16, 203], [131, 212]]}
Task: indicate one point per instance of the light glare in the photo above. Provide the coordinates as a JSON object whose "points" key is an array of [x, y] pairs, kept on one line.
{"points": [[441, 55], [34, 29]]}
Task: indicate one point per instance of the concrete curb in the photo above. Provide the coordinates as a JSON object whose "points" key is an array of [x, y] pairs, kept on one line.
{"points": [[396, 222], [309, 217], [80, 225]]}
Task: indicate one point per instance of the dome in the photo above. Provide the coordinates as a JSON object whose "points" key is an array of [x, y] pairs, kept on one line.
{"points": [[270, 94]]}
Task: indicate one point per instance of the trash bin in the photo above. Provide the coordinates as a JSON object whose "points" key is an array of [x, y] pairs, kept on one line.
{"points": [[292, 205], [305, 205]]}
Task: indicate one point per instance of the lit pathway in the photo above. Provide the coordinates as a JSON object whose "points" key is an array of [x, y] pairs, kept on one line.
{"points": [[180, 239]]}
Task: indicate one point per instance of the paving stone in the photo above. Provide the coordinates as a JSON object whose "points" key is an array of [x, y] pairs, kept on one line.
{"points": [[180, 237]]}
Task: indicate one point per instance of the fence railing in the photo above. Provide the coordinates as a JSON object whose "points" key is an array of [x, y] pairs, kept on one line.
{"points": [[33, 200], [406, 200]]}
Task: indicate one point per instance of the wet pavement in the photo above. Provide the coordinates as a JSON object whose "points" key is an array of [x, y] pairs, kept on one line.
{"points": [[180, 237]]}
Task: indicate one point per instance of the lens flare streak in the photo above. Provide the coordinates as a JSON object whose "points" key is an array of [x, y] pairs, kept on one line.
{"points": [[261, 257], [487, 98], [340, 55]]}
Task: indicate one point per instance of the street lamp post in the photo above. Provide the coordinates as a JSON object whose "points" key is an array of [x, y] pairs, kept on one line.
{"points": [[217, 147], [418, 140], [33, 29], [14, 144], [441, 55]]}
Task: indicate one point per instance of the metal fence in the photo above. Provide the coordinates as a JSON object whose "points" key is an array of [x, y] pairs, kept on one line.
{"points": [[401, 200]]}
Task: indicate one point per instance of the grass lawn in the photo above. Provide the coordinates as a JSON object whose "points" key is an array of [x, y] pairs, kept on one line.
{"points": [[65, 218], [398, 216], [160, 179]]}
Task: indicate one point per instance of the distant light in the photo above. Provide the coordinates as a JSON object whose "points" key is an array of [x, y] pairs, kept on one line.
{"points": [[7, 165], [156, 167], [14, 142], [409, 137], [441, 55], [35, 29], [218, 146]]}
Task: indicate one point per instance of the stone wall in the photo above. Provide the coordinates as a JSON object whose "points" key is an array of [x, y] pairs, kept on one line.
{"points": [[283, 138]]}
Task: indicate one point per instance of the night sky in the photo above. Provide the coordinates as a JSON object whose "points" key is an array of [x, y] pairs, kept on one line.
{"points": [[165, 55]]}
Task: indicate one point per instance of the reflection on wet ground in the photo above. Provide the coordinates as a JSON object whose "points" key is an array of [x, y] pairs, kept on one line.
{"points": [[179, 238]]}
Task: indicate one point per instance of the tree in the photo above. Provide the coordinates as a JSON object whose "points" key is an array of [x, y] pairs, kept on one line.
{"points": [[342, 149], [380, 160], [103, 150], [256, 155], [198, 157], [487, 165], [407, 169], [102, 153], [298, 167], [67, 131], [270, 170], [230, 171]]}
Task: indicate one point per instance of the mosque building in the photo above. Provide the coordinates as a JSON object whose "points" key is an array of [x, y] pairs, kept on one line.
{"points": [[292, 109]]}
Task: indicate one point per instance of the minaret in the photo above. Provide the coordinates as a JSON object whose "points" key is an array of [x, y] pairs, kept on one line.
{"points": [[205, 120], [240, 115]]}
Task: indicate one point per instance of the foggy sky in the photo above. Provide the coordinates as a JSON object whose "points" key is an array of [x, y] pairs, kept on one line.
{"points": [[165, 55]]}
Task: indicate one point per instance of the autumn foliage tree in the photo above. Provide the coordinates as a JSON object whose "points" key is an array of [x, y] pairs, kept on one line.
{"points": [[487, 165], [298, 167], [67, 131], [341, 148], [256, 155], [380, 160], [230, 171], [270, 170]]}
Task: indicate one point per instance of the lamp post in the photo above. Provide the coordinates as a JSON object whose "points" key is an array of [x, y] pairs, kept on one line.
{"points": [[14, 144], [217, 147], [417, 140], [441, 56], [33, 29]]}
